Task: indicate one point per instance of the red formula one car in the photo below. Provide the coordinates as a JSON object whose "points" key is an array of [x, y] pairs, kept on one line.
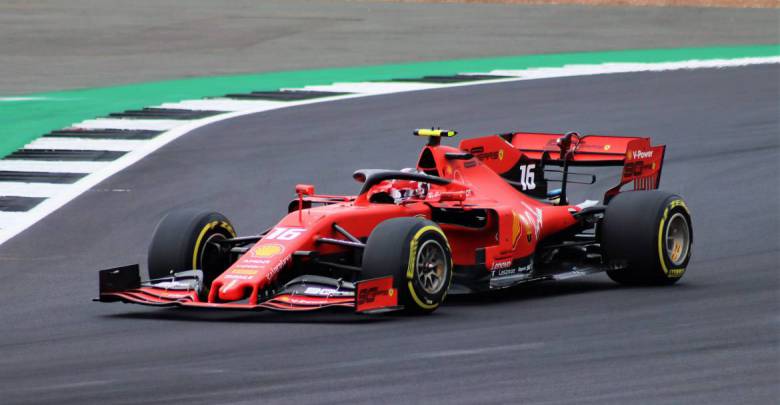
{"points": [[474, 218]]}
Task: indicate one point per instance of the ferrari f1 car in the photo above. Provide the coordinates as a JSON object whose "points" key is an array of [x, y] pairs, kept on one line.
{"points": [[474, 218]]}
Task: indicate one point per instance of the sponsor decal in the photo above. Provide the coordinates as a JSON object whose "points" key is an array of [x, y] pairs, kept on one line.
{"points": [[299, 301], [369, 295], [470, 164], [375, 294], [279, 266], [581, 145], [250, 262], [500, 278], [533, 218], [501, 264], [326, 292], [237, 277], [479, 153], [244, 271], [268, 250], [639, 154]]}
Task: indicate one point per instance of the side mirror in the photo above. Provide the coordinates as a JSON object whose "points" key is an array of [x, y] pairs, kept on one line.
{"points": [[304, 189]]}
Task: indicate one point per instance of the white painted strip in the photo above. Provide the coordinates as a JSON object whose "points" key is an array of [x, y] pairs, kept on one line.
{"points": [[116, 123], [375, 87], [50, 166], [84, 144], [607, 68], [223, 104], [12, 99], [14, 223], [10, 221], [12, 188]]}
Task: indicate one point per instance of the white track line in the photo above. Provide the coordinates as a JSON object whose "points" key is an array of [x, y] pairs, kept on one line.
{"points": [[51, 166], [117, 123], [84, 144], [375, 87], [587, 70], [14, 223], [17, 189], [9, 221], [223, 104]]}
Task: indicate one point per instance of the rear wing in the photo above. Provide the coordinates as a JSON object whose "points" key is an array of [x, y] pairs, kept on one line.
{"points": [[514, 155]]}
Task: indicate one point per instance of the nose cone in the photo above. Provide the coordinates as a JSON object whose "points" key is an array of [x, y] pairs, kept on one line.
{"points": [[232, 291]]}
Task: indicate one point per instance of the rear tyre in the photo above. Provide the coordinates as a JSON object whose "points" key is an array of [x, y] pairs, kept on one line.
{"points": [[184, 240], [416, 253], [651, 233]]}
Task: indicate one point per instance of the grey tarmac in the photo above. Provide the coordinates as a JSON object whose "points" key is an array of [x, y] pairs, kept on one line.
{"points": [[712, 338]]}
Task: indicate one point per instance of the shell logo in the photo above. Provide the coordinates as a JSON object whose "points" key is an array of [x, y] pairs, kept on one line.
{"points": [[267, 250]]}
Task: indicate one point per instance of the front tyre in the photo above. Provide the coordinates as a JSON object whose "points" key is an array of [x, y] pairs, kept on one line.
{"points": [[416, 253], [650, 232], [186, 240]]}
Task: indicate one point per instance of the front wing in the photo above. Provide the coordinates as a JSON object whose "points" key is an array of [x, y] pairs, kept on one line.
{"points": [[307, 293]]}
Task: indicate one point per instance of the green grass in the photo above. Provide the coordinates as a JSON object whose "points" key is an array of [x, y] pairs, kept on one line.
{"points": [[23, 121]]}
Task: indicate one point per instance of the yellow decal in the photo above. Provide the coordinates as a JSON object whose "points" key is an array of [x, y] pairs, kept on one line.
{"points": [[607, 147], [500, 154], [247, 272], [267, 250], [517, 228]]}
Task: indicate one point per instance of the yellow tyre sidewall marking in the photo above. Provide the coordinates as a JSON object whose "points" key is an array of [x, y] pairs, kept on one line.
{"points": [[413, 257], [675, 272], [211, 225]]}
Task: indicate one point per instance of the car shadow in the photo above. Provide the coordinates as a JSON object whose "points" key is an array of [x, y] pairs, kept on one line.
{"points": [[324, 316], [527, 292], [532, 291]]}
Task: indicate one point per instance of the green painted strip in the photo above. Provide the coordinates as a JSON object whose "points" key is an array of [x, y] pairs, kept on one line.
{"points": [[24, 118]]}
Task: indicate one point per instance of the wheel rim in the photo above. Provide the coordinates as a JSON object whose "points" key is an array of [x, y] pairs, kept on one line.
{"points": [[209, 254], [678, 239], [431, 266]]}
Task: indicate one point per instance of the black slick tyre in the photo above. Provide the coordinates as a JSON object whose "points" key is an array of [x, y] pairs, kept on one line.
{"points": [[416, 253], [650, 232], [183, 240]]}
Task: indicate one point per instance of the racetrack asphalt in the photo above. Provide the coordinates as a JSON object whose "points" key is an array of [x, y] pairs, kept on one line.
{"points": [[54, 45], [712, 338]]}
